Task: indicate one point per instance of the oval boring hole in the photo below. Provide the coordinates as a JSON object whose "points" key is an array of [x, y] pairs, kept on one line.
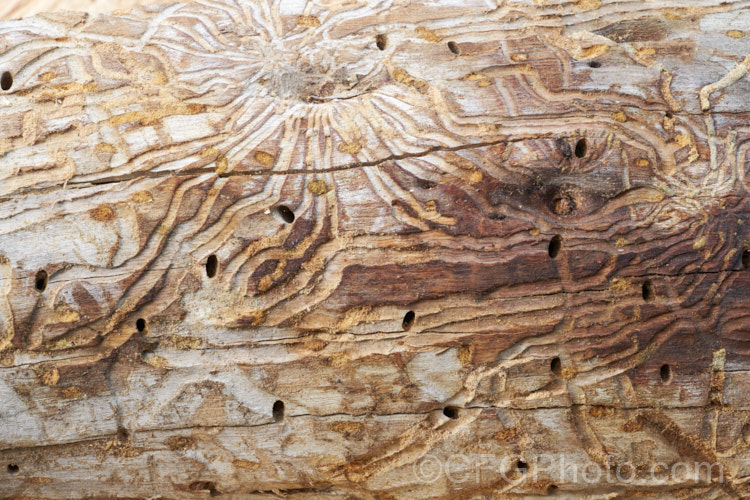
{"points": [[13, 469], [122, 434], [647, 290], [451, 412], [581, 148], [453, 47], [522, 466], [284, 213], [41, 280], [552, 489], [595, 64], [555, 367], [212, 266], [746, 259], [140, 324], [6, 81], [665, 372], [408, 321], [555, 244], [278, 411], [381, 41]]}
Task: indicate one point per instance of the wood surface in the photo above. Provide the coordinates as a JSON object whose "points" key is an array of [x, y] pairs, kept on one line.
{"points": [[12, 9], [317, 249]]}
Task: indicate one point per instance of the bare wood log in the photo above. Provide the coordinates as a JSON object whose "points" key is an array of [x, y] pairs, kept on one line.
{"points": [[376, 250]]}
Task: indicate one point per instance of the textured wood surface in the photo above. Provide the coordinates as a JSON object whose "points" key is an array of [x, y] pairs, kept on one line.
{"points": [[318, 249], [11, 9]]}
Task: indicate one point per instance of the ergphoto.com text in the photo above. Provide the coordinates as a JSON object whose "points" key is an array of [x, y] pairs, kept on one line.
{"points": [[480, 468]]}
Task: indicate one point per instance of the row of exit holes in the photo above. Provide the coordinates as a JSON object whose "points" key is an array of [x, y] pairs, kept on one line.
{"points": [[381, 42], [451, 412], [287, 215]]}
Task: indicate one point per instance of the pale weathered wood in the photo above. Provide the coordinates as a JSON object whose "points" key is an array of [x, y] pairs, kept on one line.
{"points": [[313, 249], [12, 9]]}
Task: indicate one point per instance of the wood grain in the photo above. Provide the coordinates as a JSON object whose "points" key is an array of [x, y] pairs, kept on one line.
{"points": [[318, 249], [12, 9]]}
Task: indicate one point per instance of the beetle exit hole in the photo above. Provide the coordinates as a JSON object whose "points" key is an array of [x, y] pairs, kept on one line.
{"points": [[451, 412]]}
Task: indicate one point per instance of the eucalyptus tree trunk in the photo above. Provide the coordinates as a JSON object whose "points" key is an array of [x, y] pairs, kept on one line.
{"points": [[414, 249]]}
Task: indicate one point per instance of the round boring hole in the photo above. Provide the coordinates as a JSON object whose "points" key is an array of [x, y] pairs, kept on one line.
{"points": [[140, 325], [13, 469], [522, 466], [665, 372], [595, 64], [552, 489], [40, 280], [556, 366], [212, 266], [647, 290], [451, 412], [284, 213], [278, 411], [122, 434], [746, 259], [453, 47], [381, 41], [408, 321], [555, 244], [6, 81], [581, 148]]}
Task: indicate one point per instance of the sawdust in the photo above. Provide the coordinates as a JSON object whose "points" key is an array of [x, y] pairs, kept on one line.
{"points": [[350, 147], [601, 411], [146, 118], [308, 21], [348, 429], [183, 343], [221, 164], [588, 4], [48, 376], [405, 78], [427, 34], [265, 159], [317, 187], [466, 354], [143, 197], [621, 285], [105, 147], [72, 392], [245, 464], [180, 443], [102, 213]]}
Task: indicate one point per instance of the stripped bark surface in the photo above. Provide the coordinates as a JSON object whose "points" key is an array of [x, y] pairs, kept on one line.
{"points": [[12, 9], [321, 249]]}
